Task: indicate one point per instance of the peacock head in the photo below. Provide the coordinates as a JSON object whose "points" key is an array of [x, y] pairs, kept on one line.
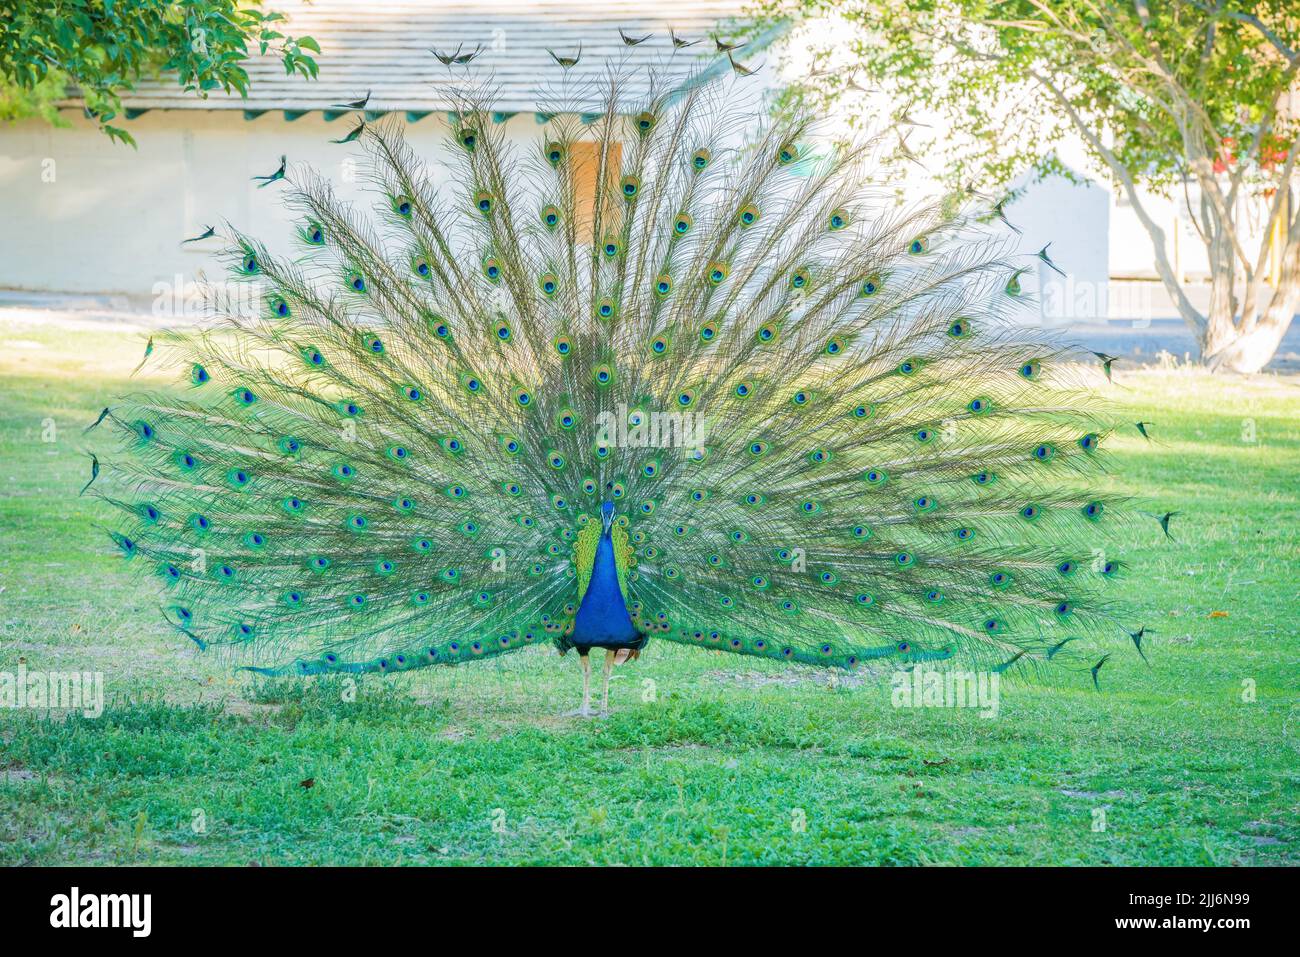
{"points": [[606, 516]]}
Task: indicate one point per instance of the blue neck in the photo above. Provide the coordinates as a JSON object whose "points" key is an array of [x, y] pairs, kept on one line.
{"points": [[603, 617]]}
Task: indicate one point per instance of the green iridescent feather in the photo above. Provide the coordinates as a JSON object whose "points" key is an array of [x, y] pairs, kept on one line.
{"points": [[825, 437]]}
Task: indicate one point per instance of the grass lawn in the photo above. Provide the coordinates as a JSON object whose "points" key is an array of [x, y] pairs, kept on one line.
{"points": [[708, 758]]}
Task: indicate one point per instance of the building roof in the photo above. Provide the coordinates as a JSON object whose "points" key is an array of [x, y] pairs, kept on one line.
{"points": [[384, 48]]}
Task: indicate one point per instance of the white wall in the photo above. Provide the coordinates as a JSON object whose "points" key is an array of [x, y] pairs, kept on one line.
{"points": [[1075, 219], [81, 214], [1132, 254]]}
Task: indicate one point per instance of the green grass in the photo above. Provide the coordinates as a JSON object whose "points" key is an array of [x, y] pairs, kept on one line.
{"points": [[728, 756]]}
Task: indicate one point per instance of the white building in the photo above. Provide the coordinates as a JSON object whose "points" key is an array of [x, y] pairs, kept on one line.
{"points": [[82, 214]]}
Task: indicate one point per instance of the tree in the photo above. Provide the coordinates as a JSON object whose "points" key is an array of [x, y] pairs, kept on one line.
{"points": [[1182, 98], [105, 46]]}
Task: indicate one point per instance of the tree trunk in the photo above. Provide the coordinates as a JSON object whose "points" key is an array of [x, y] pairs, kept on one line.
{"points": [[1220, 328], [1252, 350]]}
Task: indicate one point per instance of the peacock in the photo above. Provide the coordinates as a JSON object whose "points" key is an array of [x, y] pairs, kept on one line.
{"points": [[648, 378]]}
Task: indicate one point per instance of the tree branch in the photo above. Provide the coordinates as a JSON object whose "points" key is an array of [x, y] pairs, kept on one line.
{"points": [[1291, 56], [1189, 312]]}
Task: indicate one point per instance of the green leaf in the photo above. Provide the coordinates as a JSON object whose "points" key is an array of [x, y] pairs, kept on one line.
{"points": [[104, 47], [119, 134]]}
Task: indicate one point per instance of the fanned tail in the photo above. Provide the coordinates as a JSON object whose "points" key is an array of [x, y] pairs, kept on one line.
{"points": [[824, 436]]}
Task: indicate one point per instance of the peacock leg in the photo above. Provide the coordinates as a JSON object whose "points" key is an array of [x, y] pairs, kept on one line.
{"points": [[605, 687], [610, 661], [585, 710]]}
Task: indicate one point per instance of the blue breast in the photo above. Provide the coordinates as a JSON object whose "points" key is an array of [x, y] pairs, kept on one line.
{"points": [[602, 617]]}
